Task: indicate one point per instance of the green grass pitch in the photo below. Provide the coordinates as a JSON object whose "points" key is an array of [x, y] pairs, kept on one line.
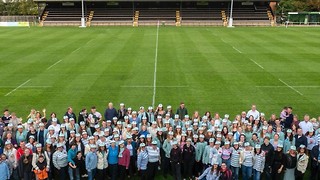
{"points": [[221, 70]]}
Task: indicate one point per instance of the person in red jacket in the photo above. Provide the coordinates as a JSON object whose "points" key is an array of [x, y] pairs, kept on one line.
{"points": [[124, 160], [20, 151]]}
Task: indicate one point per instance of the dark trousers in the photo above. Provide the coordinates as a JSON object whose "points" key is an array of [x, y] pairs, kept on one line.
{"points": [[101, 174], [143, 174], [62, 173], [122, 172], [27, 175], [132, 165], [166, 166], [176, 170], [152, 169], [266, 175], [299, 175], [113, 170], [315, 172], [187, 169], [198, 167]]}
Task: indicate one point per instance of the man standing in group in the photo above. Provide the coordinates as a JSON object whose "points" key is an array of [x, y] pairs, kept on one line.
{"points": [[300, 138], [253, 112], [91, 162], [305, 125], [71, 114], [289, 118], [110, 112], [182, 110]]}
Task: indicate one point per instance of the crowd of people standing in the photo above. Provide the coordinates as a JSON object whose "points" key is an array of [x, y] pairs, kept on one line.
{"points": [[126, 144]]}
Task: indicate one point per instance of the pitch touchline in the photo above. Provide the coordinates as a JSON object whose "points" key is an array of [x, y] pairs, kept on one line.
{"points": [[17, 87], [26, 86], [287, 86], [256, 63], [291, 87], [237, 49], [155, 68], [54, 64], [153, 86]]}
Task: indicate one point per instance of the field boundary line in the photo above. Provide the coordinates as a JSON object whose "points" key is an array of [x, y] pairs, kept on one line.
{"points": [[54, 64], [287, 86], [256, 63], [155, 68], [291, 87], [153, 86], [237, 50], [17, 87], [75, 50]]}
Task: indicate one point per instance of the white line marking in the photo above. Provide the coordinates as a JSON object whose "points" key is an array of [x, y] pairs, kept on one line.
{"points": [[26, 86], [153, 86], [287, 86], [75, 50], [54, 64], [223, 40], [155, 68], [256, 63], [17, 88], [237, 50], [90, 41], [291, 87]]}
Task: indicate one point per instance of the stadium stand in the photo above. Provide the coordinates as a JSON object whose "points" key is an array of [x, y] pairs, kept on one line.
{"points": [[98, 13]]}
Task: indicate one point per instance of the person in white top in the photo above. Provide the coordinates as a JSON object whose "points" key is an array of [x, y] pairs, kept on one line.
{"points": [[305, 124], [253, 112]]}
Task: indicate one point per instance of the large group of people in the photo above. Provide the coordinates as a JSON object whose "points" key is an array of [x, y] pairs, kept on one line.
{"points": [[147, 143]]}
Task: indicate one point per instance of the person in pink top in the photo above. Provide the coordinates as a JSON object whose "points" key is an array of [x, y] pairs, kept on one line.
{"points": [[124, 160]]}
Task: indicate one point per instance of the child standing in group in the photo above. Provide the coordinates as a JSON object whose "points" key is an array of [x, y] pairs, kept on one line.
{"points": [[41, 173]]}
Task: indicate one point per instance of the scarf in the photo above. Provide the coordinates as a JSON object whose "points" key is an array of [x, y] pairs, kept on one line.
{"points": [[120, 153]]}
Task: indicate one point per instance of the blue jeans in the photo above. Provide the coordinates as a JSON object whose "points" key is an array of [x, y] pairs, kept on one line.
{"points": [[246, 172], [91, 174], [235, 172], [256, 175]]}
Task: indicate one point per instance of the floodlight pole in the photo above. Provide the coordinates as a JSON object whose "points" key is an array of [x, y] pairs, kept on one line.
{"points": [[231, 18], [83, 21]]}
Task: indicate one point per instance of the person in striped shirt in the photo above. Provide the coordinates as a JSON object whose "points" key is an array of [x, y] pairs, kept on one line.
{"points": [[259, 159], [142, 161], [246, 159], [153, 160], [235, 160]]}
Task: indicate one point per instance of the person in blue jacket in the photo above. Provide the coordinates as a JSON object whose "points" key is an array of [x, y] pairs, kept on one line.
{"points": [[113, 160]]}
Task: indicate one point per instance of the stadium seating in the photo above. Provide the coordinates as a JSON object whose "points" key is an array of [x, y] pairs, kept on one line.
{"points": [[63, 17], [105, 16], [214, 15], [195, 16], [152, 16], [250, 16]]}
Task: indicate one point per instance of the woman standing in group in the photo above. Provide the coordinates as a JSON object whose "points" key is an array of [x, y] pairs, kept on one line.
{"points": [[39, 152], [11, 154], [211, 173], [278, 163], [291, 163], [48, 151], [246, 159], [289, 141], [259, 160], [167, 149], [142, 161], [113, 159], [124, 160], [235, 160], [102, 161], [302, 162]]}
